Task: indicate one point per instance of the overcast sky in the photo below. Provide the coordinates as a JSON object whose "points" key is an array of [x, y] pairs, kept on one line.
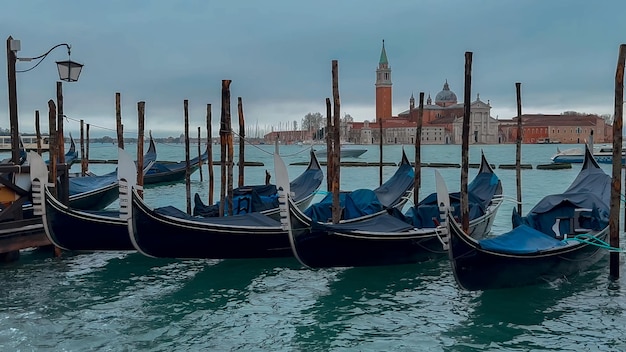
{"points": [[278, 55]]}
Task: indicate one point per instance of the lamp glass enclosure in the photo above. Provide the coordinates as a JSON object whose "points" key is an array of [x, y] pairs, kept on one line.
{"points": [[69, 70]]}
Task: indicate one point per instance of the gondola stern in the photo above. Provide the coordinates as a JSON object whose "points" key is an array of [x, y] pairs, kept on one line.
{"points": [[127, 178], [443, 200], [285, 203], [136, 207], [405, 159], [590, 161]]}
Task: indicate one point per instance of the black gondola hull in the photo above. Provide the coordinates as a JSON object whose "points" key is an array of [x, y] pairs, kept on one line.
{"points": [[162, 236], [478, 269], [79, 230]]}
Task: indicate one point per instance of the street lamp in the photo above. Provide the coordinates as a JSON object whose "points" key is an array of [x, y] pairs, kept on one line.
{"points": [[68, 71]]}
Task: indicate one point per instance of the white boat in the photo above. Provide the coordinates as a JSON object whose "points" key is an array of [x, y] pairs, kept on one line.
{"points": [[346, 152], [603, 153]]}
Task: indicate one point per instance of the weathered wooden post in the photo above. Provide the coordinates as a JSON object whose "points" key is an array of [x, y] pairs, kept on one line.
{"points": [[63, 176], [336, 209], [380, 148], [87, 149], [230, 158], [210, 151], [225, 154], [37, 132], [83, 161], [518, 146], [13, 116], [141, 115], [118, 121], [52, 151], [187, 163], [242, 142], [60, 116], [329, 147], [617, 163], [465, 142], [418, 152], [200, 162]]}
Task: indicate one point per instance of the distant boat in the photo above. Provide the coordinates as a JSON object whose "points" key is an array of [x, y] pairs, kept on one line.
{"points": [[603, 153], [346, 152]]}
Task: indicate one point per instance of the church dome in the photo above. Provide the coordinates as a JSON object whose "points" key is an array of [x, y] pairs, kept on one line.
{"points": [[446, 95]]}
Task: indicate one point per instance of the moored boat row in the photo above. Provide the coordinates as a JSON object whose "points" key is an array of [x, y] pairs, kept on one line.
{"points": [[372, 230]]}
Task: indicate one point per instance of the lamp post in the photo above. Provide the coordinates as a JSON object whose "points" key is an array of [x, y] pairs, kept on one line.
{"points": [[69, 71]]}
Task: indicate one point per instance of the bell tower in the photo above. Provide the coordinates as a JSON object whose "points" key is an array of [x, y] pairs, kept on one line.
{"points": [[383, 87]]}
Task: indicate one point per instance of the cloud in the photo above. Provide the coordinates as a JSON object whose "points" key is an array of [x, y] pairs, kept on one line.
{"points": [[278, 55]]}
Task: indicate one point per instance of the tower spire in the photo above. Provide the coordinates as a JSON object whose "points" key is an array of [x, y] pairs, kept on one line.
{"points": [[383, 56]]}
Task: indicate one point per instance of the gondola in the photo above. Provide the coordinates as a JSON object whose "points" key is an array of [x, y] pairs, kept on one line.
{"points": [[563, 234], [363, 203], [392, 238], [264, 199], [96, 192], [171, 171], [71, 156], [170, 233], [105, 230]]}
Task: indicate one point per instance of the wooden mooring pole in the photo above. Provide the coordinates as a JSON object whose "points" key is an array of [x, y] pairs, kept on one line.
{"points": [[52, 166], [417, 181], [380, 148], [209, 141], [141, 116], [242, 142], [187, 162], [60, 116], [336, 160], [200, 163], [38, 132], [118, 121], [329, 148], [225, 152], [64, 176], [617, 164], [231, 158], [518, 147], [87, 149], [465, 142], [83, 161]]}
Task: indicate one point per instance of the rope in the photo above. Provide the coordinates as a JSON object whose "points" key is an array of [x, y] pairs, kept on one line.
{"points": [[593, 241]]}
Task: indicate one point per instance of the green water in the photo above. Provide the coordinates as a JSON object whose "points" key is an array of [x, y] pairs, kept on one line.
{"points": [[127, 302]]}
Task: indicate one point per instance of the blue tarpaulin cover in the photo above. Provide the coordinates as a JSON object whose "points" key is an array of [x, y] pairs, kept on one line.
{"points": [[83, 184], [523, 239], [354, 204], [253, 219]]}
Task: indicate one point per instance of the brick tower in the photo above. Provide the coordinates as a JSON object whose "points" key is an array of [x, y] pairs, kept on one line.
{"points": [[383, 87]]}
